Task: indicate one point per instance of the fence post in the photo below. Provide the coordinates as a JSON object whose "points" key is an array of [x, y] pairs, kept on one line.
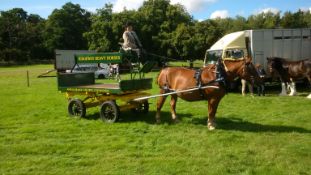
{"points": [[28, 79]]}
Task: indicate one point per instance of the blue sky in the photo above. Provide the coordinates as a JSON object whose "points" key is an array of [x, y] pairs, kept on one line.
{"points": [[199, 9]]}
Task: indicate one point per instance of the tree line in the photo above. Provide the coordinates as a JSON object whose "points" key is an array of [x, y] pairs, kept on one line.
{"points": [[164, 29]]}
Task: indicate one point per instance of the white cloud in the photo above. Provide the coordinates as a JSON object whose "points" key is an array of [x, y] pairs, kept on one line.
{"points": [[269, 9], [193, 5], [305, 9], [190, 5], [119, 5], [91, 9], [220, 14]]}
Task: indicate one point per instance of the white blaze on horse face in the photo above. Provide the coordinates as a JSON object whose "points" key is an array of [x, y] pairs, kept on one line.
{"points": [[292, 87], [284, 92]]}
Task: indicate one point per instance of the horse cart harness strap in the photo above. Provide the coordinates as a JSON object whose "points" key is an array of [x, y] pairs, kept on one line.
{"points": [[175, 92]]}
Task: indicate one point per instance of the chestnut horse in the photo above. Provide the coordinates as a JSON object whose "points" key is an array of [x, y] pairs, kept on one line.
{"points": [[290, 71], [179, 78]]}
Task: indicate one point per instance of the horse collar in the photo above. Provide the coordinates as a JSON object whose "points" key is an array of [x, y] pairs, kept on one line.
{"points": [[221, 71], [197, 76]]}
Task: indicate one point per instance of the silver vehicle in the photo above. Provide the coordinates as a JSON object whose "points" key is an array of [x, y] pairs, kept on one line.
{"points": [[100, 72]]}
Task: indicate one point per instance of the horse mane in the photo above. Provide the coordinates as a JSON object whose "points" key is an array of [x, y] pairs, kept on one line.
{"points": [[278, 62], [278, 59]]}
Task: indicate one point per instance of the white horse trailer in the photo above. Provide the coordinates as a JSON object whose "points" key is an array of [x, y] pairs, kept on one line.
{"points": [[292, 44]]}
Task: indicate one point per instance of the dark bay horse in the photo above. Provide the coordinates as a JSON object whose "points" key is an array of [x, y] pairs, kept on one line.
{"points": [[290, 71], [179, 78]]}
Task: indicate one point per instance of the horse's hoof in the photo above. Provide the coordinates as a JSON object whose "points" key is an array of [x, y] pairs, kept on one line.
{"points": [[309, 96], [211, 126], [282, 94]]}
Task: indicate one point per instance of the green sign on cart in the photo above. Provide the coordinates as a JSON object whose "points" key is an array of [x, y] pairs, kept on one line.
{"points": [[110, 57]]}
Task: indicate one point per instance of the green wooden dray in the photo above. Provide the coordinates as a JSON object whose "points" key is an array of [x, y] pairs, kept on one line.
{"points": [[82, 91]]}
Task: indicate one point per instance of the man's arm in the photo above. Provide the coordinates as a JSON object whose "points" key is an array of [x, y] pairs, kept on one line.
{"points": [[137, 40]]}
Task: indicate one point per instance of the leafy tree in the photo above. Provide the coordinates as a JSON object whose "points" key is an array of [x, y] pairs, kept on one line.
{"points": [[107, 28], [35, 25], [206, 33], [263, 20], [272, 20], [65, 27], [238, 24], [14, 45], [307, 18], [159, 19], [294, 20], [256, 21], [12, 24], [100, 33]]}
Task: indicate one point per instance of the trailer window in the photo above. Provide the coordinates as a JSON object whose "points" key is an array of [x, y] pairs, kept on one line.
{"points": [[235, 54], [211, 57]]}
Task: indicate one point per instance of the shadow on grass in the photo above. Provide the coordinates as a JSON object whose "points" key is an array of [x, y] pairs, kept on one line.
{"points": [[129, 116], [237, 124], [230, 124]]}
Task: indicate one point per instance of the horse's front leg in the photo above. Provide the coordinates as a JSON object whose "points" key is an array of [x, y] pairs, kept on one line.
{"points": [[173, 108], [212, 109], [284, 89], [292, 87], [309, 78], [160, 103]]}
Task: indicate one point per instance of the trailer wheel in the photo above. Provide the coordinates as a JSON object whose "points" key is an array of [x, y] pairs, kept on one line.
{"points": [[109, 112], [142, 108], [76, 108]]}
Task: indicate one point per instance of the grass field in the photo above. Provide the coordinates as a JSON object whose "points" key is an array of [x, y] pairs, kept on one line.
{"points": [[261, 135]]}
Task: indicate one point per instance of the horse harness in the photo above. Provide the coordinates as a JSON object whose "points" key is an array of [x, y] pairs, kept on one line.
{"points": [[220, 79]]}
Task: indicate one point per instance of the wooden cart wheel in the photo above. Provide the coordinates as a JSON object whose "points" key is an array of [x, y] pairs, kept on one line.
{"points": [[109, 112], [76, 108], [142, 108]]}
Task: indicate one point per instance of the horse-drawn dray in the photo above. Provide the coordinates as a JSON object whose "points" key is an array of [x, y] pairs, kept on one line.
{"points": [[207, 83], [83, 92]]}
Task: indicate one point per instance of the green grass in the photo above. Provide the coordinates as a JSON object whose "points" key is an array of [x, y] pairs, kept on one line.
{"points": [[261, 135]]}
